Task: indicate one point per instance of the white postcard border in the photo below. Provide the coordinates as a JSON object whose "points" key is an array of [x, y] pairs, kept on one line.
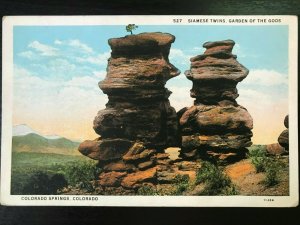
{"points": [[181, 201]]}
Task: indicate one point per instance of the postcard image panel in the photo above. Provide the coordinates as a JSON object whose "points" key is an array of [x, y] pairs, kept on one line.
{"points": [[150, 111]]}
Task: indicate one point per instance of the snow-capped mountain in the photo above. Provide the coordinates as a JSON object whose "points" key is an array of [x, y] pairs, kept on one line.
{"points": [[25, 139], [23, 129], [52, 136]]}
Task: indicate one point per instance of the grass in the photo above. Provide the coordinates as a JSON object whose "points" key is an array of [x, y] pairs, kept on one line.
{"points": [[147, 190], [263, 163], [182, 184], [40, 168], [43, 160], [216, 182], [258, 156]]}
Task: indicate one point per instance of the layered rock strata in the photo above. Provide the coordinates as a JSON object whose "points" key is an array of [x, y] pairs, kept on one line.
{"points": [[215, 126], [138, 122], [283, 138]]}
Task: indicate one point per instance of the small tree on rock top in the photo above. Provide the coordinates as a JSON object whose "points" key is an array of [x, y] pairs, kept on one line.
{"points": [[131, 27]]}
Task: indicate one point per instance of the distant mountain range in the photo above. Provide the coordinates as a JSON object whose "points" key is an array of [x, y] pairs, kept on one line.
{"points": [[23, 129], [25, 139]]}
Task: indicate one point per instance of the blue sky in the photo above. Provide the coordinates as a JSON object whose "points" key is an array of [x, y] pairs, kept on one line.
{"points": [[56, 70]]}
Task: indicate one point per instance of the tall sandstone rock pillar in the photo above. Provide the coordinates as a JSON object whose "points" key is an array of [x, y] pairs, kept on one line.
{"points": [[138, 122], [138, 107], [215, 126]]}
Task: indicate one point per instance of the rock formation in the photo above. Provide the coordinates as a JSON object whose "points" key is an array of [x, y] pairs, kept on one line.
{"points": [[283, 138], [275, 149], [215, 126], [138, 122]]}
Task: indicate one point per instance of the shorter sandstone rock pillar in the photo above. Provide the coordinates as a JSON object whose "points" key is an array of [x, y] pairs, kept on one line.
{"points": [[215, 126]]}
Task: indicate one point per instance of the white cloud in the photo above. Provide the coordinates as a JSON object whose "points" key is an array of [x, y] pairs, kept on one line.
{"points": [[177, 56], [100, 74], [266, 78], [175, 52], [237, 50], [241, 52], [61, 65], [180, 97], [58, 42], [27, 54], [267, 110], [21, 72], [254, 96], [100, 59], [82, 46], [201, 49], [75, 43], [83, 82], [56, 106], [43, 49], [25, 81]]}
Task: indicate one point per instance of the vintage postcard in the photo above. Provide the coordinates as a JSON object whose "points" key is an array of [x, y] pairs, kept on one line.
{"points": [[182, 111]]}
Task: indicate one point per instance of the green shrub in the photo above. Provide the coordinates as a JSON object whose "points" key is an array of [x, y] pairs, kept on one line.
{"points": [[19, 178], [41, 183], [82, 173], [263, 163], [131, 27], [272, 168], [181, 184], [58, 168], [216, 182], [58, 181], [258, 157], [147, 190]]}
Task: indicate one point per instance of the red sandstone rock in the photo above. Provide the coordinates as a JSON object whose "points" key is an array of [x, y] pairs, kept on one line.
{"points": [[165, 162], [135, 180], [162, 156], [189, 154], [138, 152], [105, 149], [146, 165], [214, 118], [191, 142], [111, 179], [283, 139], [212, 44], [275, 149], [119, 166], [144, 43], [90, 148], [286, 121], [223, 48]]}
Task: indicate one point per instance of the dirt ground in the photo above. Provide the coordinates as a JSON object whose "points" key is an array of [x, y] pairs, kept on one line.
{"points": [[248, 182]]}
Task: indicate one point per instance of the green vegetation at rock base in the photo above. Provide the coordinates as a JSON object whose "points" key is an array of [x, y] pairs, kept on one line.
{"points": [[41, 173], [264, 163], [215, 181]]}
